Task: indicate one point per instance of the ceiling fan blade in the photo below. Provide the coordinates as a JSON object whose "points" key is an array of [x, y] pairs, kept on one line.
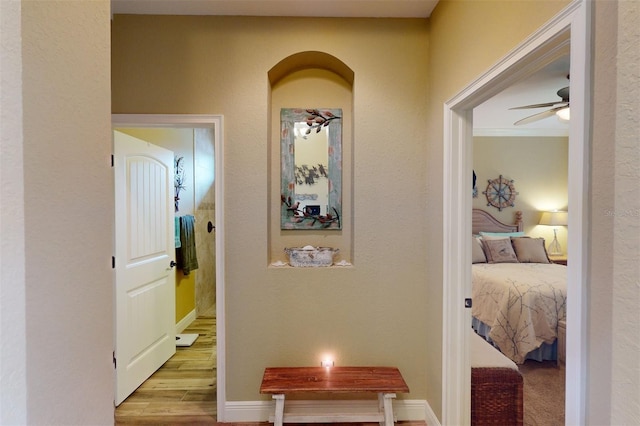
{"points": [[538, 116], [545, 105]]}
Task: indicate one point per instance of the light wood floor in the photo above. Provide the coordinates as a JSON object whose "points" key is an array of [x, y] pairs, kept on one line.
{"points": [[183, 390]]}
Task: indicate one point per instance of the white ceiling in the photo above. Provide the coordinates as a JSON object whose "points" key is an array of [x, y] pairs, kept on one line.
{"points": [[492, 118], [312, 8]]}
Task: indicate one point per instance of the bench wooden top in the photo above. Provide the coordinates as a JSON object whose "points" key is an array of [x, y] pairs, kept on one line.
{"points": [[282, 380]]}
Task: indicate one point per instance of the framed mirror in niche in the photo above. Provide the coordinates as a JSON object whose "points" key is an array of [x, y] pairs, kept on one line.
{"points": [[311, 168]]}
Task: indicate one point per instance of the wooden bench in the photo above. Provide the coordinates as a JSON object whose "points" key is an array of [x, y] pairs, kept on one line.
{"points": [[385, 381]]}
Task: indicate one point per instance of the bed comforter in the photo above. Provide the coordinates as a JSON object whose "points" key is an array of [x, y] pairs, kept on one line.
{"points": [[521, 302]]}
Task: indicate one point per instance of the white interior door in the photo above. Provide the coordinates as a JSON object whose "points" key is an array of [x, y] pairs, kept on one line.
{"points": [[144, 264]]}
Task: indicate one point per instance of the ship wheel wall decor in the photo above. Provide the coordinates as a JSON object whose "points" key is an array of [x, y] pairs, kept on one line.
{"points": [[500, 193]]}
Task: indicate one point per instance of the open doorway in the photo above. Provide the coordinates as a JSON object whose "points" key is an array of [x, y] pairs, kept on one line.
{"points": [[204, 316], [569, 28], [532, 155]]}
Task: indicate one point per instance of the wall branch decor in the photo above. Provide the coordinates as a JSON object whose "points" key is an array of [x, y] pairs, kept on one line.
{"points": [[309, 214], [178, 183]]}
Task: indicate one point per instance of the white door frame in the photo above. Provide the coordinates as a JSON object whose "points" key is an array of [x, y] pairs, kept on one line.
{"points": [[214, 122], [571, 28]]}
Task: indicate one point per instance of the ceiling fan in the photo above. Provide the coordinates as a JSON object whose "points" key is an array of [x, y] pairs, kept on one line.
{"points": [[559, 108]]}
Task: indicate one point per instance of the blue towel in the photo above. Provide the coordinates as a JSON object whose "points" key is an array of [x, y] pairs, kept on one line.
{"points": [[187, 259], [176, 229]]}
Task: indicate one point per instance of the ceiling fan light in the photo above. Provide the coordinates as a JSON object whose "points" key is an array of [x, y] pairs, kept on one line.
{"points": [[563, 114]]}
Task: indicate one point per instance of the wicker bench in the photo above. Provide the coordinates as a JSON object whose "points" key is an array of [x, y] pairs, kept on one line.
{"points": [[496, 386], [385, 381]]}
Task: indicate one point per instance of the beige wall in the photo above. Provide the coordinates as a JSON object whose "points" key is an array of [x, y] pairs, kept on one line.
{"points": [[614, 226], [538, 167], [13, 309], [373, 313], [57, 214]]}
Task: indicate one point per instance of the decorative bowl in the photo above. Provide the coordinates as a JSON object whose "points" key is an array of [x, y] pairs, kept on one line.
{"points": [[309, 256]]}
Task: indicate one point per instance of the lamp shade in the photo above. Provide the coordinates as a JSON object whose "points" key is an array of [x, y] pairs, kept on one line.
{"points": [[554, 218]]}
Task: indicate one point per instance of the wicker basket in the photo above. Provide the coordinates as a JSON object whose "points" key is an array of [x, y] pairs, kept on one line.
{"points": [[496, 397]]}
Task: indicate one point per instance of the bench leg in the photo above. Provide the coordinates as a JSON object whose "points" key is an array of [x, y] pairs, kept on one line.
{"points": [[386, 406], [279, 417]]}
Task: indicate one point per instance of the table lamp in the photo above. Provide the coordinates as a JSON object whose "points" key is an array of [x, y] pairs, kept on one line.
{"points": [[555, 219]]}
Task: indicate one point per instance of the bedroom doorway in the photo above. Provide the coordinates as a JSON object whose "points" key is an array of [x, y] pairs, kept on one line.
{"points": [[209, 129], [568, 30], [535, 156]]}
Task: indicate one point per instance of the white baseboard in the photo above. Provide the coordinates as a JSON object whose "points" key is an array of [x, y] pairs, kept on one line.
{"points": [[259, 411], [430, 416], [185, 322]]}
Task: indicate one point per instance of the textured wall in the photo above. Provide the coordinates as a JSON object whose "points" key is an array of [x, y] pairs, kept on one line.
{"points": [[68, 212], [614, 349], [626, 248], [13, 341]]}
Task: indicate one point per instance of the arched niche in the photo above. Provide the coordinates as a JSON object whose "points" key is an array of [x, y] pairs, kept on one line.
{"points": [[310, 60], [310, 79]]}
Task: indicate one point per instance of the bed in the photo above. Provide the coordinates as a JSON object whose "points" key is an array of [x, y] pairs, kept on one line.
{"points": [[519, 296], [496, 386]]}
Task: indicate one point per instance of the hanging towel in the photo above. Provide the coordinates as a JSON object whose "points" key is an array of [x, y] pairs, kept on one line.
{"points": [[176, 229], [187, 259]]}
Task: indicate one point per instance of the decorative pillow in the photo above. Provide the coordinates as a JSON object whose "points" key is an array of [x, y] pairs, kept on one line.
{"points": [[490, 235], [477, 253], [486, 251], [530, 250], [499, 251]]}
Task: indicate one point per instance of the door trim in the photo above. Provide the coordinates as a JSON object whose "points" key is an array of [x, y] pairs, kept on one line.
{"points": [[569, 30], [216, 123]]}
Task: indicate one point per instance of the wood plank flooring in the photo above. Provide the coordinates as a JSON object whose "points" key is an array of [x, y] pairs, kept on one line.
{"points": [[183, 390]]}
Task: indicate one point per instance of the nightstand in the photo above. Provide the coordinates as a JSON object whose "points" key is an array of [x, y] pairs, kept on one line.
{"points": [[560, 260]]}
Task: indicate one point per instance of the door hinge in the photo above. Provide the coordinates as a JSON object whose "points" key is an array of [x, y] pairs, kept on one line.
{"points": [[468, 302], [112, 160], [114, 360], [113, 262]]}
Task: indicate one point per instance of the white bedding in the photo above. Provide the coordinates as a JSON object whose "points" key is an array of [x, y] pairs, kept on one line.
{"points": [[483, 355], [521, 302]]}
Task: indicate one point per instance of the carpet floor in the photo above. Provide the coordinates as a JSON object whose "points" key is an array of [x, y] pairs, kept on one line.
{"points": [[543, 393]]}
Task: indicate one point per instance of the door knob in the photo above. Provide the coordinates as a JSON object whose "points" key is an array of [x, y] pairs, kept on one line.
{"points": [[172, 264]]}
